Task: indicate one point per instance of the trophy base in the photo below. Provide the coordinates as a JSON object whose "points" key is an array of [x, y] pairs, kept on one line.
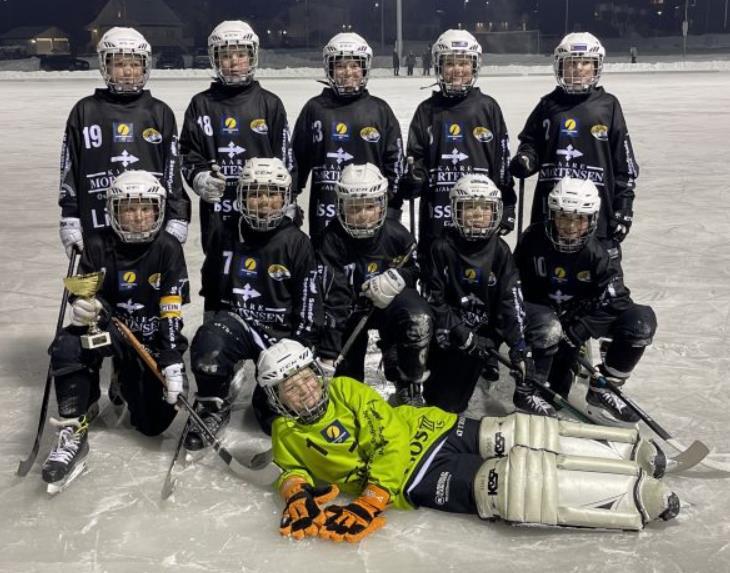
{"points": [[92, 341]]}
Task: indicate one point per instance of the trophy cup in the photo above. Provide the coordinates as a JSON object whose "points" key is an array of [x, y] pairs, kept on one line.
{"points": [[86, 286]]}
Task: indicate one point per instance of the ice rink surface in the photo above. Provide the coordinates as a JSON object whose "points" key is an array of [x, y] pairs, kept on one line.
{"points": [[677, 258]]}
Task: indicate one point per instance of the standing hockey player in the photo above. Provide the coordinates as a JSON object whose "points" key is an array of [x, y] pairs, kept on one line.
{"points": [[112, 130], [358, 256], [474, 291], [231, 121], [456, 131], [343, 125], [578, 130], [573, 275], [261, 284], [144, 280], [341, 435]]}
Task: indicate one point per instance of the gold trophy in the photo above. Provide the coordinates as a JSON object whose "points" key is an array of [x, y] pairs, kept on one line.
{"points": [[86, 286]]}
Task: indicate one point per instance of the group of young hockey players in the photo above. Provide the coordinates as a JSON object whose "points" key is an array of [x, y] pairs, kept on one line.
{"points": [[295, 304]]}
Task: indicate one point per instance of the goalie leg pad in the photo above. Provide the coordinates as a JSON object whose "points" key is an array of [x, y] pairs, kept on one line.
{"points": [[543, 488]]}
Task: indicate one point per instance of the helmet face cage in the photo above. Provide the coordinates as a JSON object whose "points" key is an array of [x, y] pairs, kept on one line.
{"points": [[123, 198], [451, 59], [565, 244], [574, 51], [230, 41], [342, 49], [127, 51], [305, 415], [362, 214], [466, 209], [573, 206], [262, 205]]}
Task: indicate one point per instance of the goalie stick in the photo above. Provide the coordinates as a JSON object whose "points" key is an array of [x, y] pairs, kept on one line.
{"points": [[258, 470]]}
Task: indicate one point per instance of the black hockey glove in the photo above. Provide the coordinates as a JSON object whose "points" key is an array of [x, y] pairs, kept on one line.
{"points": [[523, 366], [411, 183], [478, 346], [620, 225], [507, 225], [576, 333], [521, 166]]}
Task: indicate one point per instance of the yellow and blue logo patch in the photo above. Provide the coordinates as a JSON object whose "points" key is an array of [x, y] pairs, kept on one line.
{"points": [[229, 124], [123, 132], [340, 131], [248, 267], [453, 131], [127, 280], [569, 127], [259, 126], [335, 433], [151, 135]]}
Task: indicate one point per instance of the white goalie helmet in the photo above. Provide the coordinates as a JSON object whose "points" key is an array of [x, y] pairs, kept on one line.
{"points": [[345, 47], [476, 206], [573, 51], [136, 205], [451, 47], [284, 360], [229, 44], [124, 60], [362, 200], [573, 206], [264, 192]]}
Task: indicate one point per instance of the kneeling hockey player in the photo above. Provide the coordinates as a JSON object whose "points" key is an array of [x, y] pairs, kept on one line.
{"points": [[259, 285], [144, 280], [573, 286], [341, 435]]}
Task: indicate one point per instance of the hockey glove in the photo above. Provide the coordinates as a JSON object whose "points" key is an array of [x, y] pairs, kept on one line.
{"points": [[352, 522], [576, 334], [521, 166], [621, 224], [85, 311], [327, 366], [507, 224], [383, 288], [411, 184], [209, 186], [71, 235], [178, 229], [174, 375], [522, 365], [478, 346], [302, 516]]}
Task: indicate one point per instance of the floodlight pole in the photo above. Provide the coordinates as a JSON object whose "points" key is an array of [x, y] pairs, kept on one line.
{"points": [[399, 27]]}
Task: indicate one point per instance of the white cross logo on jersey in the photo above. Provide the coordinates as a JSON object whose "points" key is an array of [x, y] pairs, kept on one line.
{"points": [[341, 155], [456, 156], [569, 153], [125, 159], [231, 150], [247, 292], [559, 297], [130, 306]]}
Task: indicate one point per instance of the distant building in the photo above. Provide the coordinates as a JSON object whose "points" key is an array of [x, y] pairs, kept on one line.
{"points": [[154, 19], [35, 41]]}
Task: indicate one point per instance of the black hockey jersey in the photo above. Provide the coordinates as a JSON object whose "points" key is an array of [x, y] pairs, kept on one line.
{"points": [[332, 132], [145, 286], [107, 134], [345, 263], [450, 137], [268, 278], [583, 136], [474, 286], [227, 125], [586, 286]]}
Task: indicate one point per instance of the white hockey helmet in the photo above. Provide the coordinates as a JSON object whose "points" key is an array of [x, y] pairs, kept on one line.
{"points": [[573, 208], [347, 46], [263, 192], [473, 197], [135, 202], [362, 200], [455, 45], [280, 362], [229, 39], [124, 46], [578, 46]]}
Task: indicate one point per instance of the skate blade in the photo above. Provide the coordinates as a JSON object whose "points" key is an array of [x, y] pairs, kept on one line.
{"points": [[57, 487], [193, 456]]}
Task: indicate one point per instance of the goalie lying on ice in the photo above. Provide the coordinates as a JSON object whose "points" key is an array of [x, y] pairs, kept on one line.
{"points": [[340, 434]]}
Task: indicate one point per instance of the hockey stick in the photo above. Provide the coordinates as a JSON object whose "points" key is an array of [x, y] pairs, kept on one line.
{"points": [[361, 323], [411, 201], [520, 208], [688, 456], [27, 463], [259, 470]]}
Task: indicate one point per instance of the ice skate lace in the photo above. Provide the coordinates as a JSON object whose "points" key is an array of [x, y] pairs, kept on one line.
{"points": [[614, 401], [539, 403], [68, 445]]}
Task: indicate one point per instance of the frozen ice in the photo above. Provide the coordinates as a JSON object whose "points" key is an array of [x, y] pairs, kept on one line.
{"points": [[112, 519]]}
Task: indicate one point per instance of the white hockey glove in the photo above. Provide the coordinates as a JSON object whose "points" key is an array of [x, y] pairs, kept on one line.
{"points": [[383, 288], [174, 378], [71, 235], [209, 187], [85, 311], [327, 365], [178, 229]]}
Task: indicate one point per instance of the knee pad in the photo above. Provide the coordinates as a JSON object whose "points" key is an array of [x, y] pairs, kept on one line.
{"points": [[415, 331], [637, 326], [499, 435], [66, 354], [543, 332], [540, 487], [206, 351]]}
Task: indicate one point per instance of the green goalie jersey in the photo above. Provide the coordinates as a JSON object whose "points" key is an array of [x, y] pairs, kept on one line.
{"points": [[361, 439]]}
